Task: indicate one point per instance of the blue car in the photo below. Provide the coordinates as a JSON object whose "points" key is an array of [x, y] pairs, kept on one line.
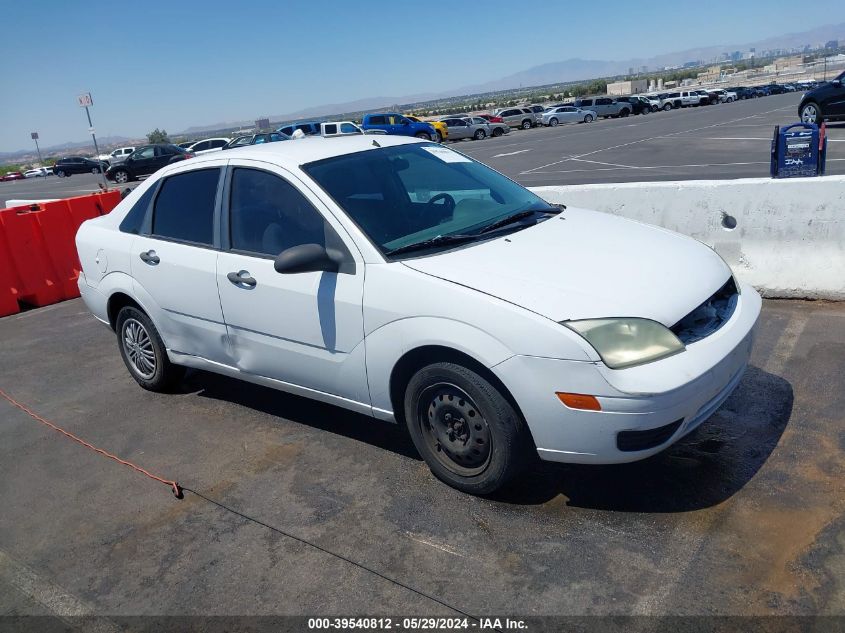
{"points": [[399, 124]]}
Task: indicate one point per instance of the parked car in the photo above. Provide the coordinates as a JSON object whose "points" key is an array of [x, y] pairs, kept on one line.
{"points": [[439, 127], [536, 108], [309, 128], [494, 128], [511, 361], [12, 175], [146, 160], [724, 96], [518, 117], [670, 100], [399, 125], [464, 128], [38, 172], [208, 145], [119, 155], [71, 165], [707, 97], [639, 104], [256, 139], [827, 102], [567, 114], [185, 144], [604, 106]]}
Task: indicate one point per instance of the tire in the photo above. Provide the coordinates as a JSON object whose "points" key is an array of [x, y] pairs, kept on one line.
{"points": [[423, 135], [588, 118], [625, 112], [439, 137], [121, 176], [95, 170], [811, 113], [476, 457], [667, 107], [497, 132], [654, 108], [143, 351], [526, 124], [553, 122], [61, 173], [479, 135]]}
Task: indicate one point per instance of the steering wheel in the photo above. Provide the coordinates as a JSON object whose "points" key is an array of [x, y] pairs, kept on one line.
{"points": [[448, 202]]}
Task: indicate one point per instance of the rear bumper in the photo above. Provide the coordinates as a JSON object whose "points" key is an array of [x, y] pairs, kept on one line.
{"points": [[95, 300], [644, 409]]}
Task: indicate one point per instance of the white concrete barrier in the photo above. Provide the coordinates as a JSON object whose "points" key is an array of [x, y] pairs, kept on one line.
{"points": [[785, 237]]}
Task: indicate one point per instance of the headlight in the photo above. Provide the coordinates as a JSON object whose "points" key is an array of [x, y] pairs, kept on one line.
{"points": [[626, 342]]}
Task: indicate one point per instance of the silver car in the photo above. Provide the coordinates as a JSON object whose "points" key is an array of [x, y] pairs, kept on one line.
{"points": [[494, 129], [567, 114], [519, 117], [461, 128]]}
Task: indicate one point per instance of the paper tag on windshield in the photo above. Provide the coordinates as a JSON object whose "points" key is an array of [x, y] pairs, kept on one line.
{"points": [[446, 155]]}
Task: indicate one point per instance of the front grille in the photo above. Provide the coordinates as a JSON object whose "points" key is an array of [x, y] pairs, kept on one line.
{"points": [[629, 441], [709, 316]]}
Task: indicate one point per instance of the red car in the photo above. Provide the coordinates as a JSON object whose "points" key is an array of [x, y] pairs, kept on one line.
{"points": [[491, 118], [13, 175]]}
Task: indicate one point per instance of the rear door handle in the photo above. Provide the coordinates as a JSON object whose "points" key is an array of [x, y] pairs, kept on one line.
{"points": [[242, 278], [150, 257]]}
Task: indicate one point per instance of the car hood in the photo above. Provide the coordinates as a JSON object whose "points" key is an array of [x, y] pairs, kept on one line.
{"points": [[584, 264]]}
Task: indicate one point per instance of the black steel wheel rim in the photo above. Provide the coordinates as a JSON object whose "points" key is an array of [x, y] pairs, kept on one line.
{"points": [[454, 429]]}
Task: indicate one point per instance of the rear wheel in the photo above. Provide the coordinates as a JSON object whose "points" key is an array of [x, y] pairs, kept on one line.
{"points": [[439, 136], [423, 135], [143, 351], [497, 132], [468, 433], [811, 113], [553, 122], [479, 135], [667, 107], [526, 124], [95, 170]]}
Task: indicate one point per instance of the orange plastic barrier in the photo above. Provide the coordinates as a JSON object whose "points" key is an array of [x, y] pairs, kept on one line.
{"points": [[40, 264]]}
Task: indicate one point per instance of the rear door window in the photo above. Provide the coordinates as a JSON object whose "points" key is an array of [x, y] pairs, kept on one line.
{"points": [[184, 207]]}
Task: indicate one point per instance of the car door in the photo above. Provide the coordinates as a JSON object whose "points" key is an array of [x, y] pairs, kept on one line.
{"points": [[304, 329], [458, 129], [568, 114], [173, 263], [833, 100], [142, 161]]}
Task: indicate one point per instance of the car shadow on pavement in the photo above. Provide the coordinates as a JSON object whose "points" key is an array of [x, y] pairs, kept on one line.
{"points": [[702, 470], [300, 410]]}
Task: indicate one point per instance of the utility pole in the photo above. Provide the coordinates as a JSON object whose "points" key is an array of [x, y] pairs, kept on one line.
{"points": [[34, 136], [85, 101]]}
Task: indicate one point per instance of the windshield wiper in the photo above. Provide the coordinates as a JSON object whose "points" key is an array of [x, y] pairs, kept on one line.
{"points": [[438, 240], [516, 217]]}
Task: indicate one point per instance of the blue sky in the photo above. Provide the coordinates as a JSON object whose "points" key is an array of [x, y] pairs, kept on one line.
{"points": [[180, 63]]}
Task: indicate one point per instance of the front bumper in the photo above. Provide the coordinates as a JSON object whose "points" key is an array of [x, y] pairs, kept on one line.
{"points": [[651, 405]]}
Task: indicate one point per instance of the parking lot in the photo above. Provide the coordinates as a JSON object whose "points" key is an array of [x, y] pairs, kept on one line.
{"points": [[722, 141], [743, 517]]}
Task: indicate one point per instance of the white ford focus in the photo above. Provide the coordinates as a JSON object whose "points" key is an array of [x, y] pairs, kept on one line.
{"points": [[403, 280]]}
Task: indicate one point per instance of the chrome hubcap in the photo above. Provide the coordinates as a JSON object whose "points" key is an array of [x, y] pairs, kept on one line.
{"points": [[139, 348], [121, 177], [810, 114], [455, 430]]}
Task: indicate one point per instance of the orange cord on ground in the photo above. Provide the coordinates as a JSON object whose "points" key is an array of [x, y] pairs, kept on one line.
{"points": [[177, 489]]}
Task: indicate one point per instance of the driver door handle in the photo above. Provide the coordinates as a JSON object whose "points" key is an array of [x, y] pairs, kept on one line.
{"points": [[242, 278], [150, 257]]}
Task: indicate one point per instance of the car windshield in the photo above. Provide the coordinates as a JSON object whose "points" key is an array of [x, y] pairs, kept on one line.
{"points": [[408, 194]]}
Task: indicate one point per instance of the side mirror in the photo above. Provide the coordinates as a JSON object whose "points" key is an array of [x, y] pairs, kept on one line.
{"points": [[836, 82], [307, 258]]}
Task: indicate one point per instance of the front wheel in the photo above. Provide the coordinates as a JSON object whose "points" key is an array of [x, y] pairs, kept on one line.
{"points": [[625, 113], [667, 107], [423, 135], [479, 135], [61, 173], [810, 113], [121, 176], [526, 124], [143, 351], [588, 118], [553, 122], [467, 432], [95, 170], [497, 132]]}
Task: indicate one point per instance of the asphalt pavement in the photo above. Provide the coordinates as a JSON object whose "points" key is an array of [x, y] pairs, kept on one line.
{"points": [[744, 517], [724, 141]]}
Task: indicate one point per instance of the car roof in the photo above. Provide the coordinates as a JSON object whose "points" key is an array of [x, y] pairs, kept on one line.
{"points": [[298, 152]]}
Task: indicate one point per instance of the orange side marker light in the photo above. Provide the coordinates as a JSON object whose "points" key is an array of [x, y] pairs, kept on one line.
{"points": [[579, 401]]}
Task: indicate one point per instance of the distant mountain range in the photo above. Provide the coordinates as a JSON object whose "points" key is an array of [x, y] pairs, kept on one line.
{"points": [[57, 149], [569, 70], [574, 69]]}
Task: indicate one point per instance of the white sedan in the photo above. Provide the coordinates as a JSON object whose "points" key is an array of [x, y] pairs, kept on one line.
{"points": [[567, 114], [38, 172], [406, 281]]}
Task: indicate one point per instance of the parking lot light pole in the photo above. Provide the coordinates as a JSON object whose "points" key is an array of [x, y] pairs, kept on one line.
{"points": [[85, 101], [34, 136]]}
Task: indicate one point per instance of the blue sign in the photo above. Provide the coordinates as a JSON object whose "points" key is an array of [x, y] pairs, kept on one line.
{"points": [[798, 151]]}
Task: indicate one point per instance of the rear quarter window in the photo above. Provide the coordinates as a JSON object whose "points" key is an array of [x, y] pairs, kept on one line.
{"points": [[135, 218]]}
